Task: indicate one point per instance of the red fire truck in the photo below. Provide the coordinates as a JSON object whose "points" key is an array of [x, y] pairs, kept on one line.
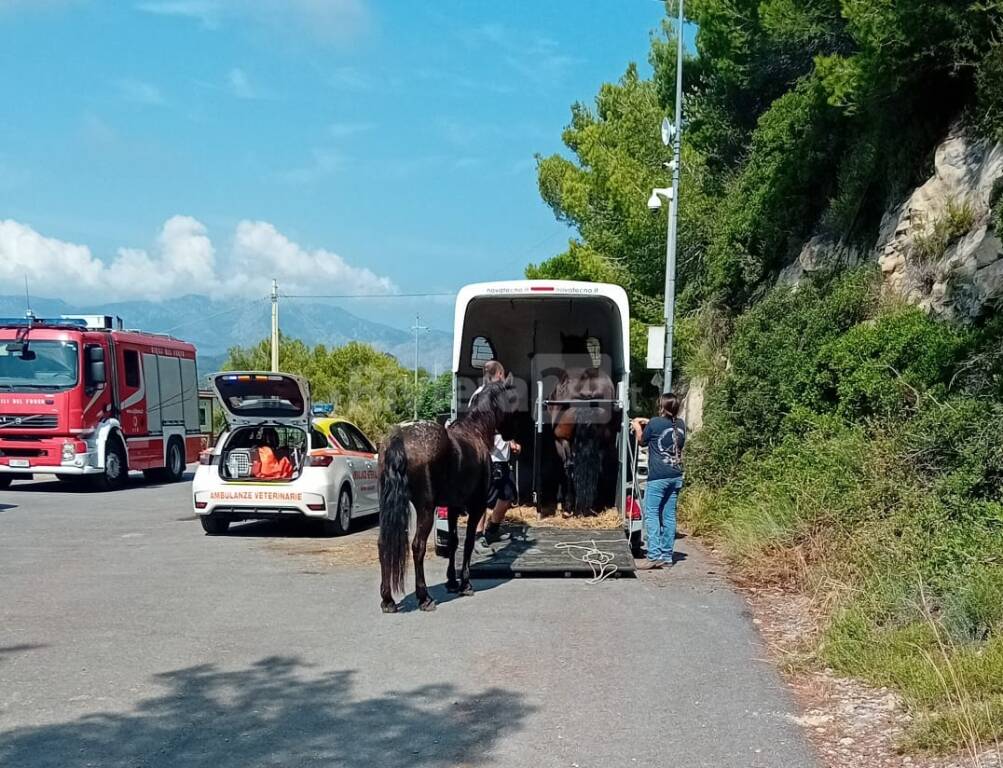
{"points": [[84, 399]]}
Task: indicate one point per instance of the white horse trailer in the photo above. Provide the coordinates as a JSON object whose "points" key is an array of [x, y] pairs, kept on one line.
{"points": [[525, 325]]}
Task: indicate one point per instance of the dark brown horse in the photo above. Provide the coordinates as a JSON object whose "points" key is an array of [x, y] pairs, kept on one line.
{"points": [[429, 466], [584, 435]]}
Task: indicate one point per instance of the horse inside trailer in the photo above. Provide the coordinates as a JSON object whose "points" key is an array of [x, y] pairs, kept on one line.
{"points": [[541, 330]]}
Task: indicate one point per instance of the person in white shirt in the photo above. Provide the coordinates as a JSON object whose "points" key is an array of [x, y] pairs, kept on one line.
{"points": [[502, 492]]}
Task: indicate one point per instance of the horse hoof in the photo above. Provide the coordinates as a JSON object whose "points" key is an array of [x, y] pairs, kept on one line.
{"points": [[467, 591], [389, 607], [428, 605], [452, 587]]}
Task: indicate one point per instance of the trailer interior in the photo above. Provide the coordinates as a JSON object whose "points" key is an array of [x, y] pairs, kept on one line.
{"points": [[529, 335]]}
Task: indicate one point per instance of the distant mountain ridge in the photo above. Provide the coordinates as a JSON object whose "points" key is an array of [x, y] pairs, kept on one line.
{"points": [[215, 326]]}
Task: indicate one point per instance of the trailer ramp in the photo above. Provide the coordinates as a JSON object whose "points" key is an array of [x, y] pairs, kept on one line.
{"points": [[535, 551]]}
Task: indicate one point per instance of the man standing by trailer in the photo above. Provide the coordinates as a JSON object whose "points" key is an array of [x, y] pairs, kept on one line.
{"points": [[502, 491]]}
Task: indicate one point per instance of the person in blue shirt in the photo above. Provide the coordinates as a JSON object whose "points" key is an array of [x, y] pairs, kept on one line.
{"points": [[664, 435]]}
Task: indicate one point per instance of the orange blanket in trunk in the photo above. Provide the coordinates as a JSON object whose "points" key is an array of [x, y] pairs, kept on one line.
{"points": [[268, 467]]}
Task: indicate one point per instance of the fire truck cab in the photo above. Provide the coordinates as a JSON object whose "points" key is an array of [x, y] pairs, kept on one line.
{"points": [[82, 398]]}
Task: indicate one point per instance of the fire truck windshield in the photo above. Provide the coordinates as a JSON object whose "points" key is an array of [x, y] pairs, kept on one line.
{"points": [[47, 365]]}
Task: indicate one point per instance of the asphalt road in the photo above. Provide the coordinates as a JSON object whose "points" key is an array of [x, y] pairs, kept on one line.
{"points": [[128, 638]]}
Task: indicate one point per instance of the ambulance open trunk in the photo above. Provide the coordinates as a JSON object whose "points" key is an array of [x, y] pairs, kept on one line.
{"points": [[262, 410]]}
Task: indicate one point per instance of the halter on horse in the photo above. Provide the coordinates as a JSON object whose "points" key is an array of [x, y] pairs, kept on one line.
{"points": [[583, 434], [429, 466]]}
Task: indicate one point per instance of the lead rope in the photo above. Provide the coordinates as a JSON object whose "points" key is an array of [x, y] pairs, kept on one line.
{"points": [[588, 552]]}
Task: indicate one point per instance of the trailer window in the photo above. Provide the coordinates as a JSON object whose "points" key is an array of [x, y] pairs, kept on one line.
{"points": [[594, 347], [131, 360], [481, 352]]}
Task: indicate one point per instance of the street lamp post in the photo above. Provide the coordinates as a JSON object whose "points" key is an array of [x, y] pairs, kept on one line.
{"points": [[418, 328], [673, 134]]}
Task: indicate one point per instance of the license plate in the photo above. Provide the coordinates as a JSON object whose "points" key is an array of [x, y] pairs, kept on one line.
{"points": [[20, 463]]}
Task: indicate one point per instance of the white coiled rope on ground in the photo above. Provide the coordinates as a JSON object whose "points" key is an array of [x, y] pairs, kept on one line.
{"points": [[587, 551]]}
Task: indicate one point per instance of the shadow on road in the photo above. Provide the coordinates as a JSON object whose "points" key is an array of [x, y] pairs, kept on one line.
{"points": [[294, 527], [276, 712], [49, 484], [7, 650]]}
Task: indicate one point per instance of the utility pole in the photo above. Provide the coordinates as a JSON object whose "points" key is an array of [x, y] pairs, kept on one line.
{"points": [[275, 326], [670, 249], [417, 328]]}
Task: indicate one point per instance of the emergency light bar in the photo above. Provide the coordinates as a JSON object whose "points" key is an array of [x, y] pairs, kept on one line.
{"points": [[323, 409], [25, 322]]}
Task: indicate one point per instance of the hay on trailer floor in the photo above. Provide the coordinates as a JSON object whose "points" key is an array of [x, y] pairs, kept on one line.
{"points": [[610, 518]]}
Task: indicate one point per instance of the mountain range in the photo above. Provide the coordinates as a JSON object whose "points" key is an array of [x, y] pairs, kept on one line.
{"points": [[215, 326]]}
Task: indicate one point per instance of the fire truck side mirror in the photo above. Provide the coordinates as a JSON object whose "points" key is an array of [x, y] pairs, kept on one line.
{"points": [[96, 375]]}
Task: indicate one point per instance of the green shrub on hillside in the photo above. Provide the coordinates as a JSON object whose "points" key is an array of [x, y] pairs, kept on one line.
{"points": [[772, 366], [880, 367]]}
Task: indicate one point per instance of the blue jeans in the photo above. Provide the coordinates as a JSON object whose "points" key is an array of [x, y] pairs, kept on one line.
{"points": [[660, 498]]}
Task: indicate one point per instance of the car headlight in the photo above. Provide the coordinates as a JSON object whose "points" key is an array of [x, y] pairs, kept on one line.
{"points": [[69, 452]]}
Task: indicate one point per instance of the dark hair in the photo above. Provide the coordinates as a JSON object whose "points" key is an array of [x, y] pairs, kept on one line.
{"points": [[668, 405], [493, 370]]}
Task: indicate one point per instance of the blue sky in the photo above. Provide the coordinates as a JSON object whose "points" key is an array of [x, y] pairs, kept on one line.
{"points": [[157, 147]]}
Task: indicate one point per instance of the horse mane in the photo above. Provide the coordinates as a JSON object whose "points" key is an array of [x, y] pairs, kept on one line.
{"points": [[482, 416]]}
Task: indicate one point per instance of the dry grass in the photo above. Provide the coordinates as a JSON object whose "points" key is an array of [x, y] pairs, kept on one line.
{"points": [[351, 550], [611, 518]]}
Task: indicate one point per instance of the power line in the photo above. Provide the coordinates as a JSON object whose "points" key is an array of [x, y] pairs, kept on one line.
{"points": [[217, 314], [366, 295]]}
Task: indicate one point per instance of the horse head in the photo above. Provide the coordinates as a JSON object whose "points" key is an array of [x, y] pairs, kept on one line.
{"points": [[501, 399], [575, 345]]}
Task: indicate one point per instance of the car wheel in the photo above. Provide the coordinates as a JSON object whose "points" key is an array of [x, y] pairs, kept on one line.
{"points": [[214, 526], [342, 521], [175, 469], [5, 481], [116, 468]]}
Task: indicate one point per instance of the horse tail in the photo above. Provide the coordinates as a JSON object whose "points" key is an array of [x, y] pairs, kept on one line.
{"points": [[587, 460], [395, 512]]}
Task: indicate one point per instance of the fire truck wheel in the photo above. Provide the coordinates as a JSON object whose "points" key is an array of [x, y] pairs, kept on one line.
{"points": [[5, 482], [175, 469], [214, 526], [116, 467]]}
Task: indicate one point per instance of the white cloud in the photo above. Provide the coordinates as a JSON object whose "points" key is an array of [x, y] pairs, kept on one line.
{"points": [[240, 85], [183, 261], [350, 79], [260, 251], [205, 11], [537, 59], [323, 163], [141, 92], [34, 5], [326, 20], [344, 129]]}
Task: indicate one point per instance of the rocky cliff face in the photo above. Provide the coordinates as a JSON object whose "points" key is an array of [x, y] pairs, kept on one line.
{"points": [[939, 249]]}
